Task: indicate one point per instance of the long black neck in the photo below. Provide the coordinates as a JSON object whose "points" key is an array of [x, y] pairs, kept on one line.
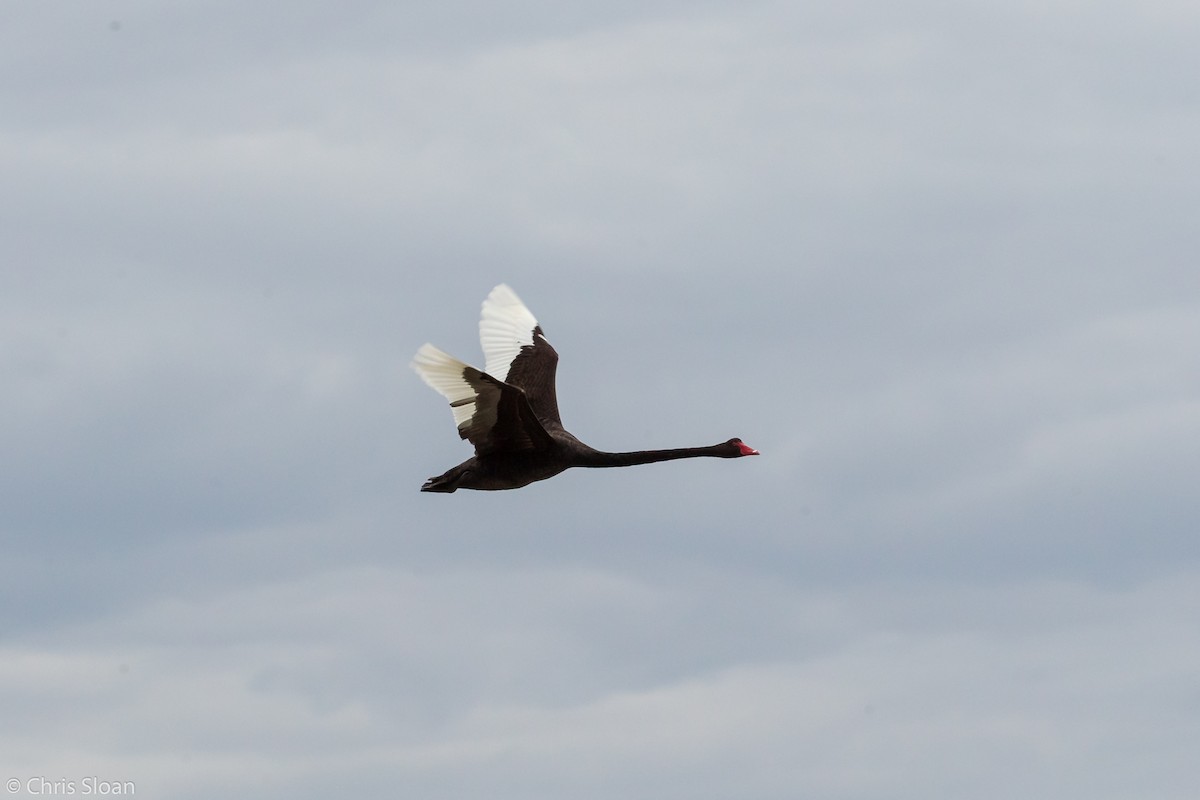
{"points": [[597, 458]]}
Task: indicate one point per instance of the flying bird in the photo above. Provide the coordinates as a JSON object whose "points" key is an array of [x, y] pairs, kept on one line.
{"points": [[509, 410]]}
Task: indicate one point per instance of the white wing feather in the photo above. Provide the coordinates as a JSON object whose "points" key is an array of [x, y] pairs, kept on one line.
{"points": [[505, 326], [444, 374]]}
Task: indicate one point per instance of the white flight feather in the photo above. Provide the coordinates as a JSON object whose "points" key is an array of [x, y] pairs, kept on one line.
{"points": [[505, 326], [444, 374]]}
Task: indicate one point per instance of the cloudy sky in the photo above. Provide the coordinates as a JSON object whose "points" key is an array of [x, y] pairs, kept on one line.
{"points": [[937, 261]]}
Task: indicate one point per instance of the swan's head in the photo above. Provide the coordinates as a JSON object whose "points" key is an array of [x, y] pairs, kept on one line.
{"points": [[740, 449]]}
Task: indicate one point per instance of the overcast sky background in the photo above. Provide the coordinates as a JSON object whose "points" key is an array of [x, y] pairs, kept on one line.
{"points": [[937, 261]]}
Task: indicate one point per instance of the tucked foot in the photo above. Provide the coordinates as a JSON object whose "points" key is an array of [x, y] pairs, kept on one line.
{"points": [[439, 484]]}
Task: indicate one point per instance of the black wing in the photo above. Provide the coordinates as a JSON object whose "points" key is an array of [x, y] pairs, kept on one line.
{"points": [[517, 351], [533, 371]]}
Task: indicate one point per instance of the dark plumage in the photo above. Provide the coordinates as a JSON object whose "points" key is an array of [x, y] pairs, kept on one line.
{"points": [[510, 411]]}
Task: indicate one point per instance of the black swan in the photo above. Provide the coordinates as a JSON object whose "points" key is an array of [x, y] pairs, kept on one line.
{"points": [[509, 411]]}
